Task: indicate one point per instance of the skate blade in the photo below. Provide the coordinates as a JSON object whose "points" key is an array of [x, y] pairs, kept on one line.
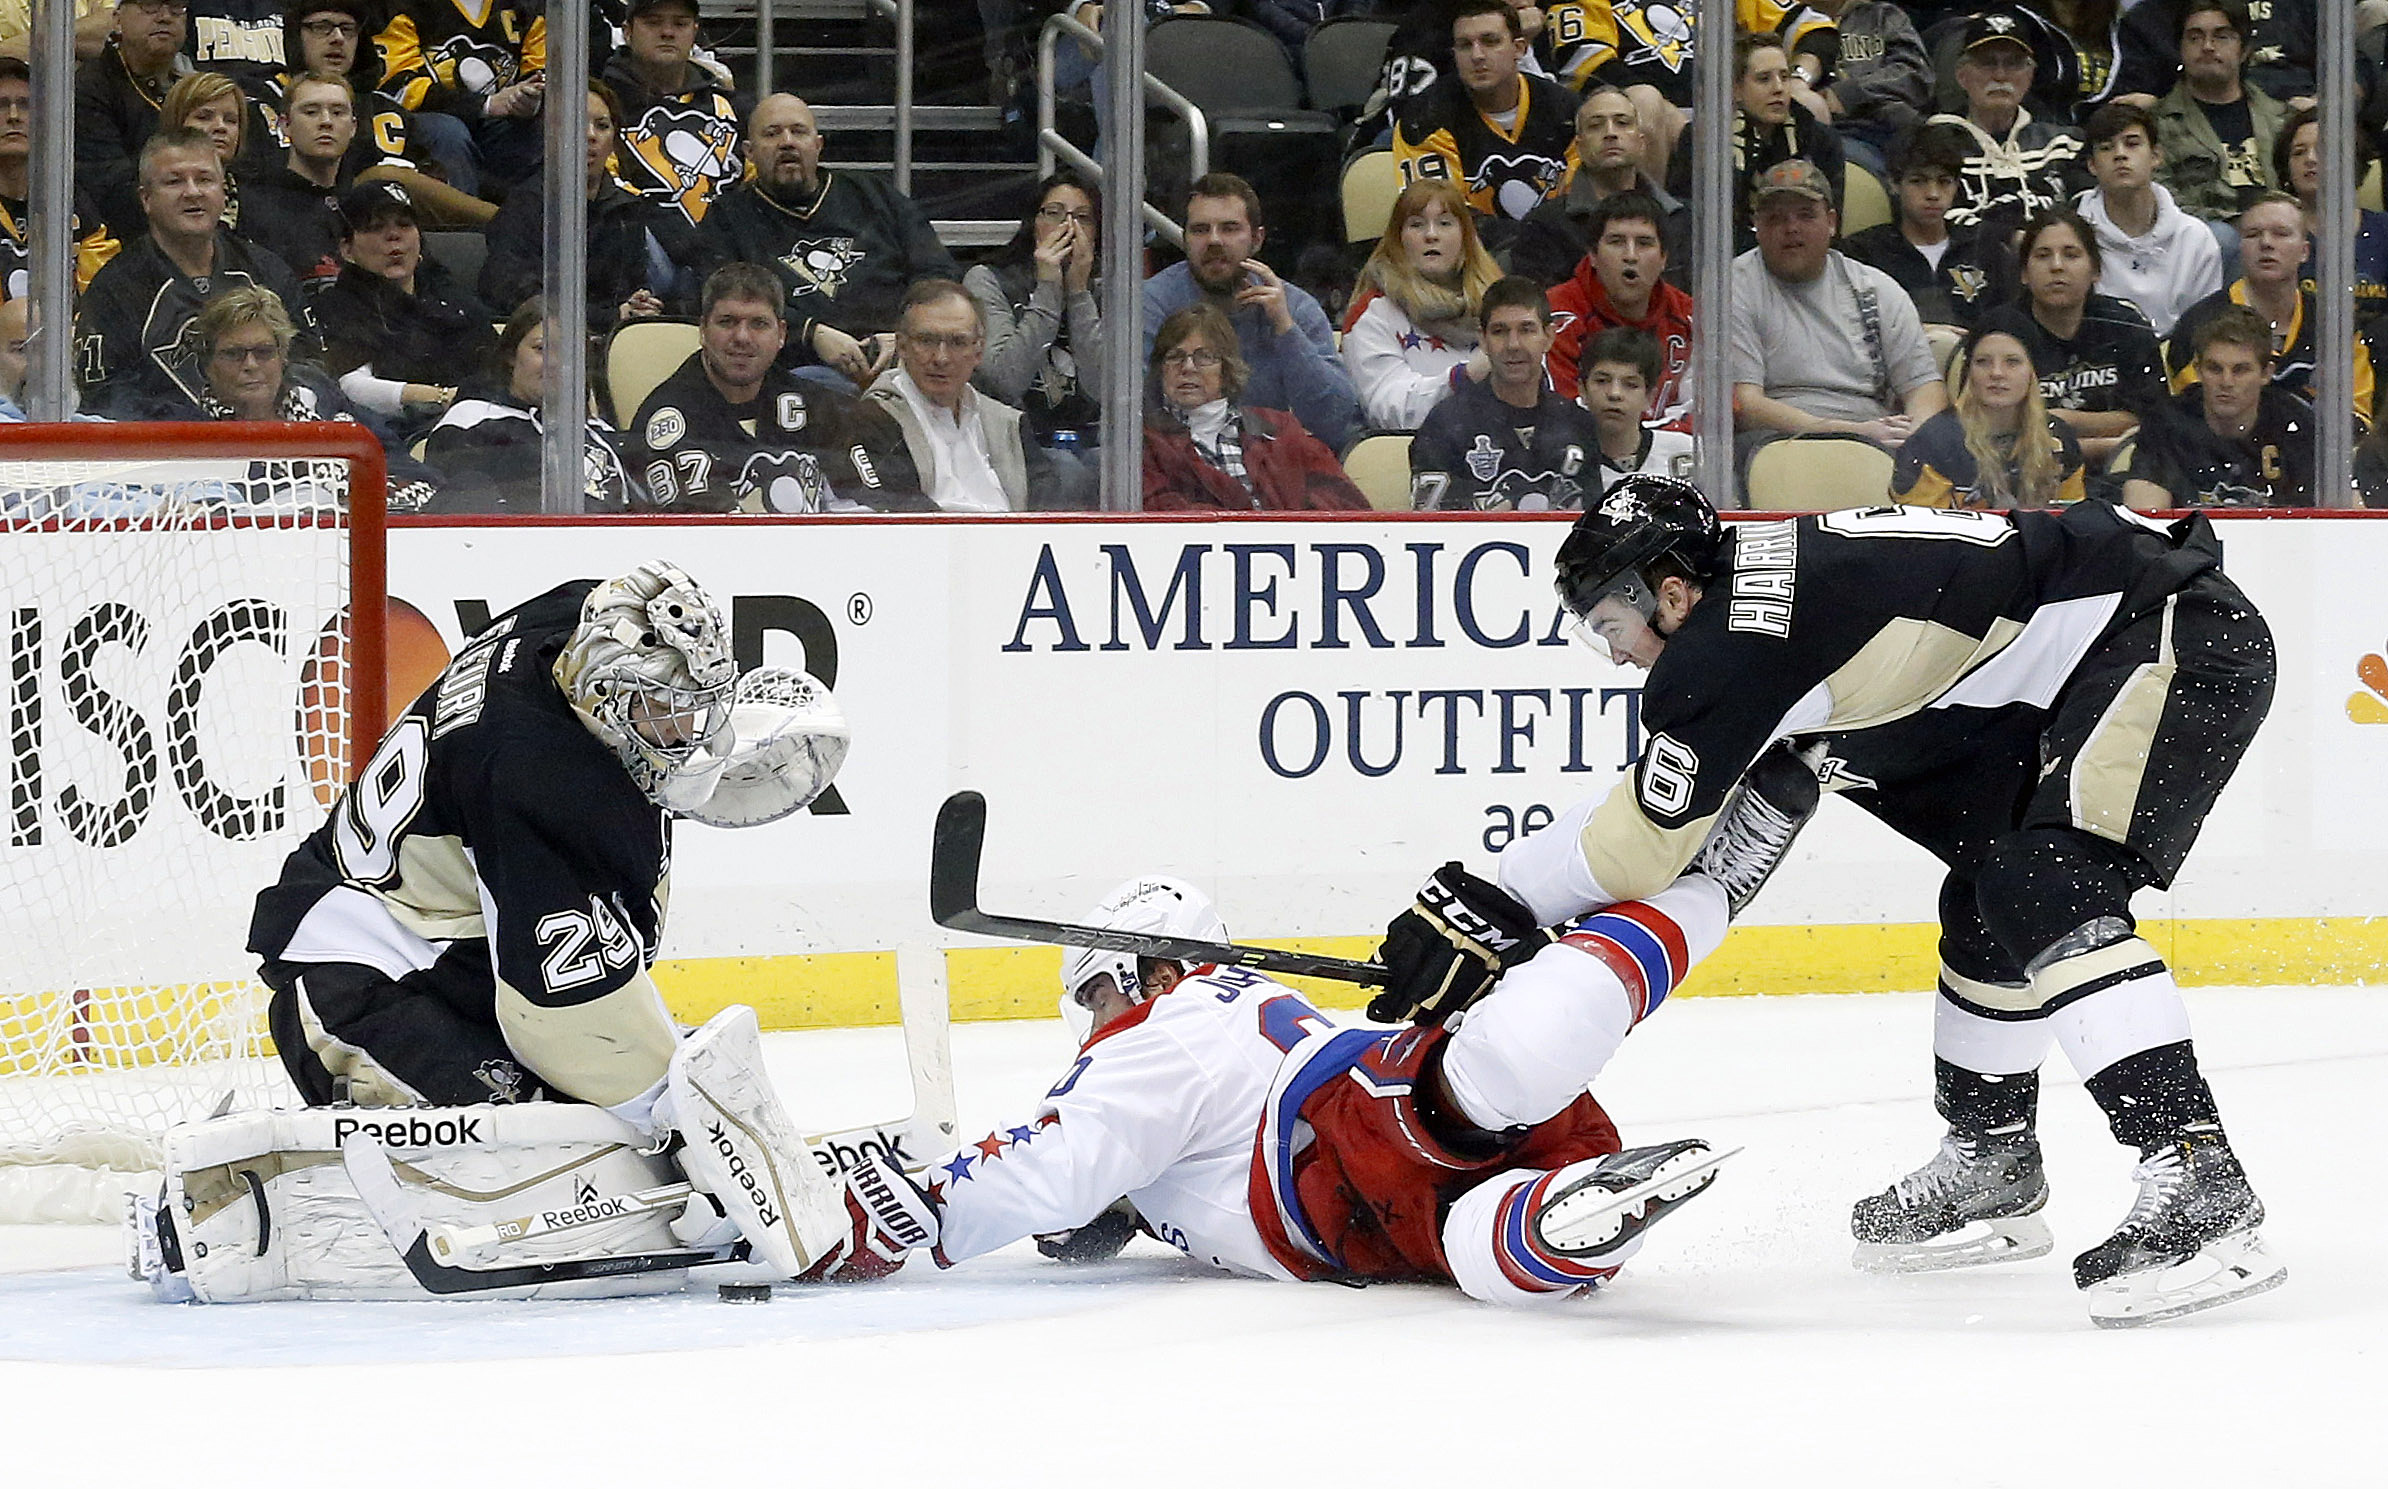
{"points": [[2227, 1270], [1590, 1221], [1980, 1243]]}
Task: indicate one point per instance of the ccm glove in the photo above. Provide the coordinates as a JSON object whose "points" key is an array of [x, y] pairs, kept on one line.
{"points": [[1449, 948], [892, 1218], [1098, 1240]]}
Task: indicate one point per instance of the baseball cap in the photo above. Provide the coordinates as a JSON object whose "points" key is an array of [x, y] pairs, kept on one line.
{"points": [[368, 202], [1794, 177], [641, 7], [1994, 28]]}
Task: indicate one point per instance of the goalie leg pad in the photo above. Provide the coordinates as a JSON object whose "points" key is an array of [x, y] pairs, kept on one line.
{"points": [[259, 1206], [742, 1148]]}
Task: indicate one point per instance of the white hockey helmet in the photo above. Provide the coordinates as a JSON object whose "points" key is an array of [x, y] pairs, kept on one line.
{"points": [[1152, 904], [649, 671]]}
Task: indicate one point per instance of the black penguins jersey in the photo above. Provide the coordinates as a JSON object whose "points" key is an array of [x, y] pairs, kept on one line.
{"points": [[437, 54], [1476, 453], [796, 447], [1855, 620], [491, 833], [1505, 170], [2272, 466], [242, 39]]}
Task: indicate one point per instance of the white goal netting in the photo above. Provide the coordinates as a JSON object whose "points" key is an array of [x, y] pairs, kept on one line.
{"points": [[176, 719]]}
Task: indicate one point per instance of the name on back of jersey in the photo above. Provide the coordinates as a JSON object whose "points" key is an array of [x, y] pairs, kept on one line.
{"points": [[1765, 575]]}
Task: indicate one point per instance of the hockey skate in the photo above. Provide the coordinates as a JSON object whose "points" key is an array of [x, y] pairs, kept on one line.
{"points": [[1977, 1201], [1602, 1206], [2189, 1243]]}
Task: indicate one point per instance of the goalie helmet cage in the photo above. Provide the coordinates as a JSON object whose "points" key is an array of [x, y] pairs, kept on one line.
{"points": [[193, 620]]}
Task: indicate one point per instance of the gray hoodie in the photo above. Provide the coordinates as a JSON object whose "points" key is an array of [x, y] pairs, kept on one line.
{"points": [[1884, 76]]}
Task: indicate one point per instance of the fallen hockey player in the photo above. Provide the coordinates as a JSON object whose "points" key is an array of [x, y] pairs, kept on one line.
{"points": [[1251, 1133], [459, 962]]}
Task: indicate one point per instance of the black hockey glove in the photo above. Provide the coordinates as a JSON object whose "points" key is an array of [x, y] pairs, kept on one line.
{"points": [[1449, 948], [1098, 1240]]}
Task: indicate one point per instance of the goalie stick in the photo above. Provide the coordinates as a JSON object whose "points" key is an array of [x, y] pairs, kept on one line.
{"points": [[953, 903]]}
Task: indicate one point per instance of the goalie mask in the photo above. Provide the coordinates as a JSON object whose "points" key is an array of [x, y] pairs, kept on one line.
{"points": [[650, 673], [1152, 905]]}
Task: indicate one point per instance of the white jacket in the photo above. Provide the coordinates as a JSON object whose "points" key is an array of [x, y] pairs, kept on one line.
{"points": [[1402, 370], [2176, 265]]}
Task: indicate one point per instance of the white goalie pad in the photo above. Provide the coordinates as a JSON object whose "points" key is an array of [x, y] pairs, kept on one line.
{"points": [[790, 737], [743, 1149], [261, 1206]]}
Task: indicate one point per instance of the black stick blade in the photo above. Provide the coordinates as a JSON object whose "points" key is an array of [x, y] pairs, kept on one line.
{"points": [[953, 858]]}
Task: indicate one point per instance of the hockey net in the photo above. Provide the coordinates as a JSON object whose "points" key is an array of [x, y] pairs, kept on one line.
{"points": [[186, 612]]}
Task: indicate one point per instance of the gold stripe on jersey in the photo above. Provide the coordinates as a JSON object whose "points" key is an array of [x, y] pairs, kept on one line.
{"points": [[604, 1051], [436, 895], [2111, 765], [1631, 856], [1906, 665]]}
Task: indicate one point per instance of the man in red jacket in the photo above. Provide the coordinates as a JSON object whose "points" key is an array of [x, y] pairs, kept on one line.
{"points": [[1619, 284]]}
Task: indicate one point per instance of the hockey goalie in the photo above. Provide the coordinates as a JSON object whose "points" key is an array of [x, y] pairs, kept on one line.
{"points": [[497, 1099]]}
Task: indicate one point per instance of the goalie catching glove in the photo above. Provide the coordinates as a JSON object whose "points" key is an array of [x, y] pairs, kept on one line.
{"points": [[787, 739], [891, 1219], [1449, 948]]}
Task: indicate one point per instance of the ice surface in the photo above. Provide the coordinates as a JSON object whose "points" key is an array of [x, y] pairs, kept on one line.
{"points": [[1740, 1349]]}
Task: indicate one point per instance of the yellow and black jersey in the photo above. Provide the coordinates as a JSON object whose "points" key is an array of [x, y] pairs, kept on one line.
{"points": [[381, 129], [438, 54], [1629, 42], [1506, 172], [94, 246], [2296, 362], [678, 150], [1937, 469]]}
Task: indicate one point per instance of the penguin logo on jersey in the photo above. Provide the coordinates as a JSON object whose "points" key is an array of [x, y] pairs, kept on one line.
{"points": [[688, 154], [821, 264], [1655, 33], [1518, 491], [475, 65], [1516, 183], [785, 481]]}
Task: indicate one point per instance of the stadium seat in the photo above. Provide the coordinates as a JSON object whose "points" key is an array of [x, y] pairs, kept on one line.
{"points": [[1379, 464], [1244, 81], [1818, 473], [1370, 183], [459, 252], [1865, 202], [638, 355], [1343, 61]]}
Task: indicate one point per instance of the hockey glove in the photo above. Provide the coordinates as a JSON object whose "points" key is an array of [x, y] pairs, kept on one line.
{"points": [[1098, 1240], [892, 1218], [1774, 800], [1449, 948]]}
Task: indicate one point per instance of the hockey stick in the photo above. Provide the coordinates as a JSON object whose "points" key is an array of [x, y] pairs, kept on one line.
{"points": [[953, 903], [400, 1217]]}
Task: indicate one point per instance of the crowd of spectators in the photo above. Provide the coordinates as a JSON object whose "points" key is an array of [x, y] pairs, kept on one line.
{"points": [[2095, 280]]}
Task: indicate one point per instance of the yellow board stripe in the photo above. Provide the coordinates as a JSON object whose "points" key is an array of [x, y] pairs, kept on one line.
{"points": [[859, 988]]}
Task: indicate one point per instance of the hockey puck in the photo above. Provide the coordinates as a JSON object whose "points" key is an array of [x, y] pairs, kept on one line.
{"points": [[745, 1292]]}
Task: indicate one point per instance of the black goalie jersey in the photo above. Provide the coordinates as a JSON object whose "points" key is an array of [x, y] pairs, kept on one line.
{"points": [[491, 839], [1896, 624]]}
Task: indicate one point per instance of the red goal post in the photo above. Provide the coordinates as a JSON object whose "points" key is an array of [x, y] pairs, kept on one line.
{"points": [[192, 618]]}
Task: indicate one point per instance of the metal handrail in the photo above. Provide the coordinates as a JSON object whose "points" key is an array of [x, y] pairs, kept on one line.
{"points": [[899, 11], [1050, 145]]}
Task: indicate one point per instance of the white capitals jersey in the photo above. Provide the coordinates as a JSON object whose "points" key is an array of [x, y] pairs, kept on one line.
{"points": [[1163, 1106]]}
